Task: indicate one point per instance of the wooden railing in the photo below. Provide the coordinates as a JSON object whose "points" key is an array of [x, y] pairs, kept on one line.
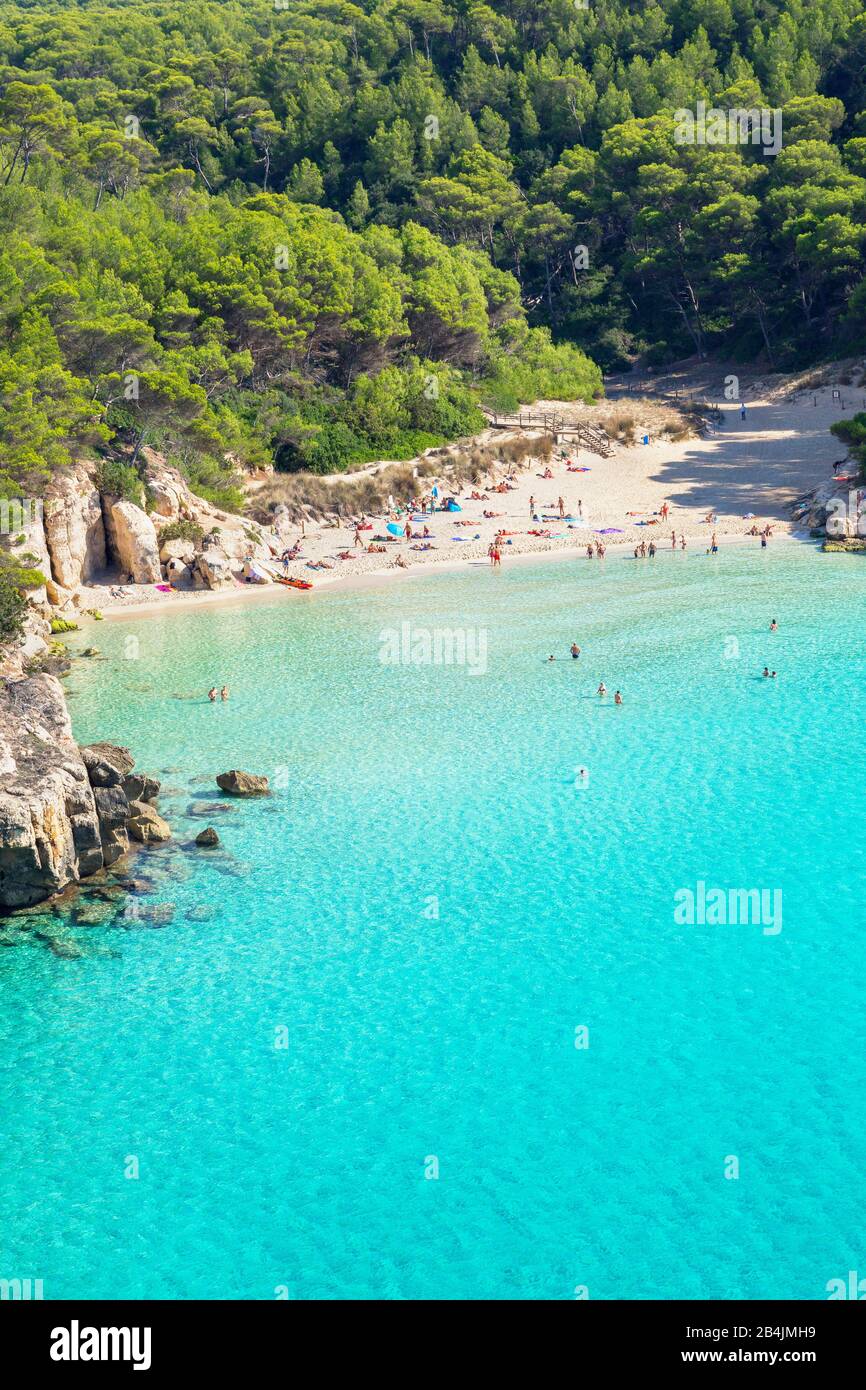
{"points": [[587, 436]]}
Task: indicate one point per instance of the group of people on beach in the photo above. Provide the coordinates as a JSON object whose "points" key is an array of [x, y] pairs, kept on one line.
{"points": [[600, 550], [641, 551]]}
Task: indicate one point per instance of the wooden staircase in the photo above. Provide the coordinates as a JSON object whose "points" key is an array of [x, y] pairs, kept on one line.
{"points": [[588, 437]]}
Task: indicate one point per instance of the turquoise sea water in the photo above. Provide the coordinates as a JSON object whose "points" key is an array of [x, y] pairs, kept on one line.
{"points": [[430, 904]]}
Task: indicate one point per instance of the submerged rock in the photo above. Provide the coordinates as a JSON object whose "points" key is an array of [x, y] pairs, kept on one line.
{"points": [[210, 808], [202, 912], [237, 783], [154, 914], [65, 948], [94, 914], [207, 837]]}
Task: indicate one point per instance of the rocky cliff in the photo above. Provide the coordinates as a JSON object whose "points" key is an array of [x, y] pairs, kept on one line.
{"points": [[81, 538], [65, 811]]}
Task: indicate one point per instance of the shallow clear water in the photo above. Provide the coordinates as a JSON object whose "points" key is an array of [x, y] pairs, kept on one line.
{"points": [[430, 904]]}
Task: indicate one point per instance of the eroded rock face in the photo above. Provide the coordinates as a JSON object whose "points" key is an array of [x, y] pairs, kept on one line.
{"points": [[237, 783], [136, 543], [49, 827], [23, 535], [113, 810], [64, 812], [74, 528]]}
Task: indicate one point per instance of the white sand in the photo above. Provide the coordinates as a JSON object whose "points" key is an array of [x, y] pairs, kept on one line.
{"points": [[761, 465]]}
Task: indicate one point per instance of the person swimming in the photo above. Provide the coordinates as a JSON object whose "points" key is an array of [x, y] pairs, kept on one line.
{"points": [[212, 694], [617, 699], [602, 689], [575, 651], [766, 671], [224, 693], [551, 658], [774, 626]]}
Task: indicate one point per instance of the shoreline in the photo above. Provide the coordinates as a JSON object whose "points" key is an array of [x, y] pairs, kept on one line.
{"points": [[746, 469], [373, 578]]}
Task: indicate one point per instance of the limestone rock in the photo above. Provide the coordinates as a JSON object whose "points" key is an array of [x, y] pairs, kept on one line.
{"points": [[101, 772], [207, 838], [113, 809], [58, 597], [238, 783], [177, 549], [140, 787], [168, 489], [22, 534], [113, 753], [74, 528], [147, 825], [49, 829], [213, 565], [179, 574], [136, 543]]}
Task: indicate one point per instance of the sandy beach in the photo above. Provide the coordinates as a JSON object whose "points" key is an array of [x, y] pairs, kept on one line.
{"points": [[747, 472]]}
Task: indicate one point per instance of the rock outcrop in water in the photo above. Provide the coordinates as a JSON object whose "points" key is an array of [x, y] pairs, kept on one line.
{"points": [[64, 813], [237, 783]]}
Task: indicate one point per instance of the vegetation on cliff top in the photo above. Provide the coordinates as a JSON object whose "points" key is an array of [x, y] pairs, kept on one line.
{"points": [[320, 232]]}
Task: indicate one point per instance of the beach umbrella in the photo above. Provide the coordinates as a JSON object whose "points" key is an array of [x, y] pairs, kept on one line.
{"points": [[395, 529]]}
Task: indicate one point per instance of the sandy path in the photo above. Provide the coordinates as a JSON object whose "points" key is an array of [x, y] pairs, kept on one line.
{"points": [[759, 465]]}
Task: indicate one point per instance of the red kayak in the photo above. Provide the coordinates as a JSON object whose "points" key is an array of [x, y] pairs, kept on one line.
{"points": [[294, 583]]}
